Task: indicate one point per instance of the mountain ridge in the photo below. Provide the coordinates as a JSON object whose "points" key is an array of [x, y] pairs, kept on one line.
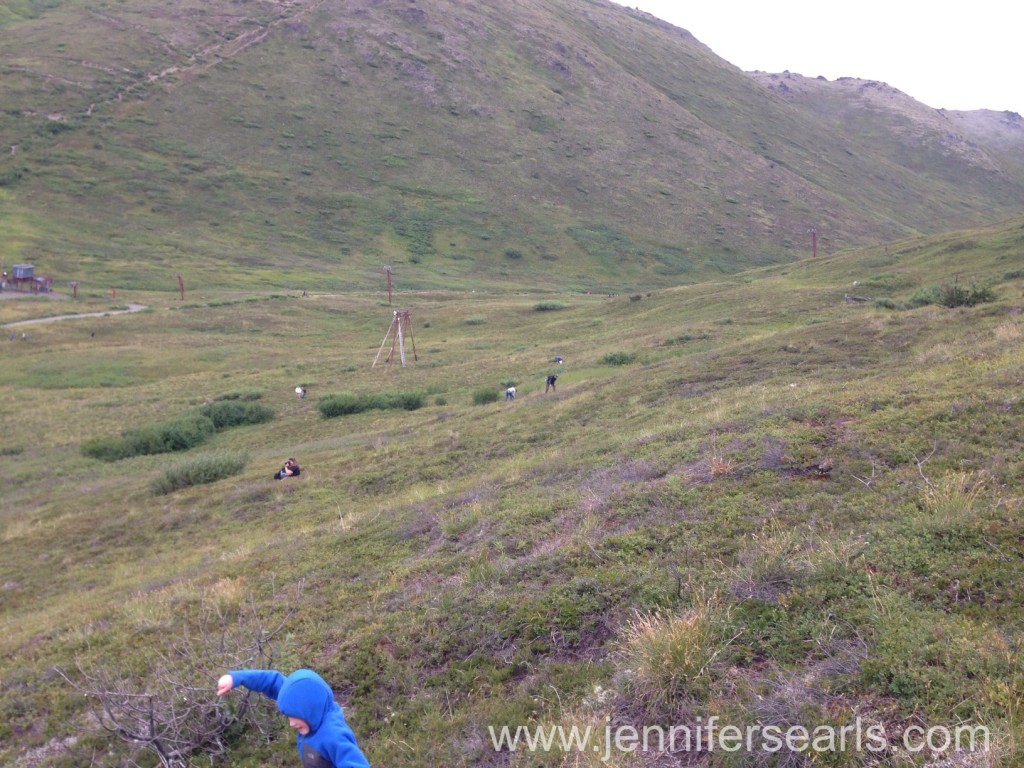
{"points": [[512, 143]]}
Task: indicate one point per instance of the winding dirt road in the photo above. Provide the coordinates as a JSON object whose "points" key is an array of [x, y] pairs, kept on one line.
{"points": [[54, 318]]}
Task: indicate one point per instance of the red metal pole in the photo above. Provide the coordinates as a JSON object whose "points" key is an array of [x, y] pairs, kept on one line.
{"points": [[181, 287], [814, 242]]}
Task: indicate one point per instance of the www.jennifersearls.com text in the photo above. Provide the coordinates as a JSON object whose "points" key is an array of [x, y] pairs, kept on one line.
{"points": [[711, 735]]}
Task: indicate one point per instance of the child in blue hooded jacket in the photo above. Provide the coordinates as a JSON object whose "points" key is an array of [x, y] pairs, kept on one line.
{"points": [[324, 738]]}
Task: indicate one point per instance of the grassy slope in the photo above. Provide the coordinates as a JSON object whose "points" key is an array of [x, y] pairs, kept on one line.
{"points": [[467, 565], [308, 144]]}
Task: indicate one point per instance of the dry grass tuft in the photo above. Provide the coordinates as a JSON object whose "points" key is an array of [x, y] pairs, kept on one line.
{"points": [[721, 466], [670, 658], [953, 497], [1008, 331]]}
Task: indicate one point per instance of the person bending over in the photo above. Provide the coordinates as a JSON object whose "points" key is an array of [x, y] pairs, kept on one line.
{"points": [[323, 738]]}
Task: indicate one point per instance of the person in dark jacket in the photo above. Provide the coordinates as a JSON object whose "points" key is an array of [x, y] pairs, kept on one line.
{"points": [[290, 469], [324, 739], [550, 383]]}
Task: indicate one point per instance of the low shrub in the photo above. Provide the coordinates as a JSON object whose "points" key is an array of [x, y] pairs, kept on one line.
{"points": [[619, 358], [405, 401], [235, 413], [922, 298], [241, 394], [484, 396], [345, 404], [199, 471], [331, 406], [549, 306], [957, 296], [106, 448], [182, 432], [687, 337], [951, 296], [178, 434]]}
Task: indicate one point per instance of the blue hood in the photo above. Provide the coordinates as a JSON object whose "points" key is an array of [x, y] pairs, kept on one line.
{"points": [[307, 696]]}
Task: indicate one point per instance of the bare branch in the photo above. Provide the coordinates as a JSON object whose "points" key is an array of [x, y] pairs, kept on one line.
{"points": [[920, 466], [174, 714], [866, 481]]}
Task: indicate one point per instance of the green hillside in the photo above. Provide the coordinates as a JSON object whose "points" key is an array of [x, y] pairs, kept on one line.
{"points": [[573, 145], [751, 499], [770, 490]]}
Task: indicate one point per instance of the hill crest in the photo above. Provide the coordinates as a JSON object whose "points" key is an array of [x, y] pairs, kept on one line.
{"points": [[512, 144]]}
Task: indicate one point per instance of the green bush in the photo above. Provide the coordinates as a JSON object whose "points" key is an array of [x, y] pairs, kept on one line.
{"points": [[345, 404], [106, 448], [922, 298], [957, 296], [405, 401], [234, 413], [687, 337], [198, 471], [484, 396], [178, 434], [331, 406], [242, 394], [549, 306], [952, 295], [619, 358]]}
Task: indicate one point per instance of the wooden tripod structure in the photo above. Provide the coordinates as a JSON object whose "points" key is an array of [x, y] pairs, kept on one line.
{"points": [[401, 325]]}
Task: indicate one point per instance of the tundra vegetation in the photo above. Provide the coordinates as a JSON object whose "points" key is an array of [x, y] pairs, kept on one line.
{"points": [[807, 515]]}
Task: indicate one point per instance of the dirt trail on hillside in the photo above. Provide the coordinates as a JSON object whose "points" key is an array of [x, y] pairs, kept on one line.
{"points": [[223, 50], [54, 318]]}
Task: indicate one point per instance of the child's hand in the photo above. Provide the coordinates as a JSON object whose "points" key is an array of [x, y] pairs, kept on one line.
{"points": [[225, 684]]}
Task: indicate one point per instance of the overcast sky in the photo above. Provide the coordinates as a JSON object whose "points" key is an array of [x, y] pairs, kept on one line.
{"points": [[965, 55]]}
